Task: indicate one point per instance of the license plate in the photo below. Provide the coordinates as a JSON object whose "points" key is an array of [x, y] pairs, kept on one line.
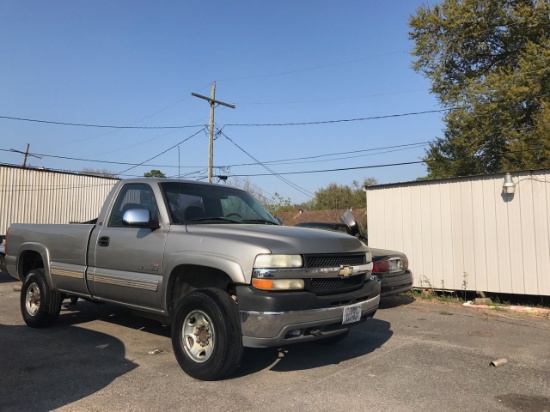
{"points": [[352, 313]]}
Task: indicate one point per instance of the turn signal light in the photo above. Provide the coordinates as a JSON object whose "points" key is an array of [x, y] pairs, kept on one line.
{"points": [[278, 284]]}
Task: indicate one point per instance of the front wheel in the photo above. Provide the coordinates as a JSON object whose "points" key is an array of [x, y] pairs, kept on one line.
{"points": [[206, 334], [40, 306]]}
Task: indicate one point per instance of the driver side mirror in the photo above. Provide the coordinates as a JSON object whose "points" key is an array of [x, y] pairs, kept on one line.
{"points": [[139, 218]]}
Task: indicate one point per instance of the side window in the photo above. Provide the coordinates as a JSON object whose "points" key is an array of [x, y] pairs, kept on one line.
{"points": [[133, 196]]}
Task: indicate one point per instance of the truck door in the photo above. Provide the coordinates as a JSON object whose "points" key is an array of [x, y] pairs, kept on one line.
{"points": [[126, 262]]}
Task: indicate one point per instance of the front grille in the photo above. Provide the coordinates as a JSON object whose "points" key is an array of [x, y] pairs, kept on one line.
{"points": [[331, 261], [329, 286], [335, 285]]}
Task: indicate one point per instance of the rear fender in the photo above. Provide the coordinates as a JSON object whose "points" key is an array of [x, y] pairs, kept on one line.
{"points": [[31, 256]]}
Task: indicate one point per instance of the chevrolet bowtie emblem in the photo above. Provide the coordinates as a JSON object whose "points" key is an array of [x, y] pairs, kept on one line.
{"points": [[345, 271]]}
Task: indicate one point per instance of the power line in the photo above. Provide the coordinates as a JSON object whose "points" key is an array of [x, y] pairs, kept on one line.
{"points": [[356, 168], [288, 182], [232, 175], [357, 119], [333, 170], [290, 160], [78, 159], [350, 157], [161, 153], [22, 119], [278, 161]]}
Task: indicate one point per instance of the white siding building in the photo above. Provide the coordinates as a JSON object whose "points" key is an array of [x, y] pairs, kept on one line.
{"points": [[42, 196], [466, 234]]}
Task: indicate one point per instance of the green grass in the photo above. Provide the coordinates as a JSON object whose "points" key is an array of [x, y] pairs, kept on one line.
{"points": [[435, 296], [499, 302]]}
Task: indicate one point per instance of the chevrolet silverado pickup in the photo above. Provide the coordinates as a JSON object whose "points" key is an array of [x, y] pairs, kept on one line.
{"points": [[207, 259]]}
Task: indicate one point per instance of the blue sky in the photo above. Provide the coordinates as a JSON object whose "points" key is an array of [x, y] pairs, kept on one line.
{"points": [[136, 63]]}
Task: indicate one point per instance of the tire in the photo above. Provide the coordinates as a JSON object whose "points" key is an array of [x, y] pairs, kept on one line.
{"points": [[206, 334], [40, 306], [332, 340]]}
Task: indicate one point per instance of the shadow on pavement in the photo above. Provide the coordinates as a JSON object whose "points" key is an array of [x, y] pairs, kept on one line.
{"points": [[66, 352], [85, 311], [390, 302], [6, 278], [373, 334], [45, 369]]}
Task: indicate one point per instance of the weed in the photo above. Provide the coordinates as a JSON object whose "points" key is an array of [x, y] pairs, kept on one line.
{"points": [[425, 279], [431, 295], [464, 284], [445, 312]]}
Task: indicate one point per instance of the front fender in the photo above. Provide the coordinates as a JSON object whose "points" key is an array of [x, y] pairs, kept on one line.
{"points": [[226, 264]]}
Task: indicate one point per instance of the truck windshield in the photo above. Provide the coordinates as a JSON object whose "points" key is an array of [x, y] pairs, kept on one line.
{"points": [[191, 203]]}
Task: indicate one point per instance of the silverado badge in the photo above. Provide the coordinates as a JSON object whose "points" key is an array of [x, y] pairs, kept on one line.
{"points": [[345, 271]]}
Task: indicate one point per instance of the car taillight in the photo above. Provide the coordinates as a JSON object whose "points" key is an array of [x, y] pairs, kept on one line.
{"points": [[381, 266]]}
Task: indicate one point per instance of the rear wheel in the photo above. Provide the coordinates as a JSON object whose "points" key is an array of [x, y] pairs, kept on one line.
{"points": [[40, 306], [206, 334]]}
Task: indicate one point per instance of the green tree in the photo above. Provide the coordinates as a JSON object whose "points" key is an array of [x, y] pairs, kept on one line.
{"points": [[154, 173], [489, 64], [334, 196], [279, 204]]}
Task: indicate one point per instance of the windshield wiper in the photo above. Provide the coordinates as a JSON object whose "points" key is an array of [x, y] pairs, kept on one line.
{"points": [[212, 219], [262, 221]]}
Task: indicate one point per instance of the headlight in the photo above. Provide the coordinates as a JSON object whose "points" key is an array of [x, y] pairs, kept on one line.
{"points": [[278, 261]]}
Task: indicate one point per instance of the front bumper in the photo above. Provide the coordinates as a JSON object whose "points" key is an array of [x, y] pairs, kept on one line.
{"points": [[394, 284], [305, 316]]}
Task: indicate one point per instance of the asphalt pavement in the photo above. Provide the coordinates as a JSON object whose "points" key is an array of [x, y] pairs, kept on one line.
{"points": [[413, 355]]}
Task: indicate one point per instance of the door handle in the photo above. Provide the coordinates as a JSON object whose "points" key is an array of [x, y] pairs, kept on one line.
{"points": [[104, 241]]}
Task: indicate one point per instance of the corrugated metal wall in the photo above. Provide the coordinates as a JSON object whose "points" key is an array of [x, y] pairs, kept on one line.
{"points": [[40, 196], [465, 234]]}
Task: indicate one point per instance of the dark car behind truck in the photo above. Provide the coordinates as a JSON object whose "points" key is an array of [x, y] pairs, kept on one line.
{"points": [[390, 266]]}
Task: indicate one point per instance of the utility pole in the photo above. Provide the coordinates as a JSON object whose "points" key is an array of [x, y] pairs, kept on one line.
{"points": [[26, 154], [213, 102]]}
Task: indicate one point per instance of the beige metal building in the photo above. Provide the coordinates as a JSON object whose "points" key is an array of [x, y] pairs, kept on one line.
{"points": [[468, 233], [42, 196]]}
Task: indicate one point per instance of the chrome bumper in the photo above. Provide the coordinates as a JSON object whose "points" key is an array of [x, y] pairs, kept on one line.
{"points": [[268, 329]]}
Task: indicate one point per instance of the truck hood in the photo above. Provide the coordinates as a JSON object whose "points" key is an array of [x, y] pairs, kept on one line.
{"points": [[282, 239]]}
